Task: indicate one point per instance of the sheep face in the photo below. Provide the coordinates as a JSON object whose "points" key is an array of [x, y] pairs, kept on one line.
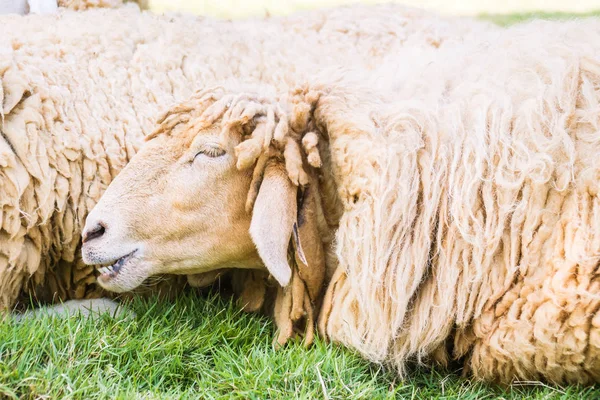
{"points": [[178, 207]]}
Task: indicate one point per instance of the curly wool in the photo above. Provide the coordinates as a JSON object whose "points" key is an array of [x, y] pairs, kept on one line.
{"points": [[469, 182], [79, 91]]}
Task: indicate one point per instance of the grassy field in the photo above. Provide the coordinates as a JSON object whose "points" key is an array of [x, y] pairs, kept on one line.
{"points": [[198, 347]]}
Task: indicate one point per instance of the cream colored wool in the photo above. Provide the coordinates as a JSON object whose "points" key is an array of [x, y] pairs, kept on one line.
{"points": [[78, 92], [469, 180]]}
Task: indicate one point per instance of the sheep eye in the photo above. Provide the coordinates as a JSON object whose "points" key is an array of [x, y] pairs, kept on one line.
{"points": [[211, 152]]}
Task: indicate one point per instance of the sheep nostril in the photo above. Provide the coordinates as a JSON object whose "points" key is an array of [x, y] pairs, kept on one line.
{"points": [[96, 232]]}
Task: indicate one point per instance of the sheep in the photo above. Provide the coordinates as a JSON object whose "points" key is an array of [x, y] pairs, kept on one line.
{"points": [[444, 208], [80, 90]]}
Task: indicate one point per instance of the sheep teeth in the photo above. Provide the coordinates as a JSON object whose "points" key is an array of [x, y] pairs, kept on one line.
{"points": [[114, 269]]}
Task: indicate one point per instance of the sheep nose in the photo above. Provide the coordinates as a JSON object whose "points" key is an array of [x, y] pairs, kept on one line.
{"points": [[94, 231]]}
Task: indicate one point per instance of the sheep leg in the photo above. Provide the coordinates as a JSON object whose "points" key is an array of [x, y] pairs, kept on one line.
{"points": [[204, 279], [252, 295], [294, 313], [338, 279]]}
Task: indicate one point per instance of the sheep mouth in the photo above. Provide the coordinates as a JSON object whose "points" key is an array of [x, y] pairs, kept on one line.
{"points": [[108, 272]]}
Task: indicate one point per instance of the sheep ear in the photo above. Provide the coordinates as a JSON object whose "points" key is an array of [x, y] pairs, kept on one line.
{"points": [[273, 218]]}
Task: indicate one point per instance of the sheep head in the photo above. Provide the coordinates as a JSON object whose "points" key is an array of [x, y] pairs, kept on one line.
{"points": [[215, 185]]}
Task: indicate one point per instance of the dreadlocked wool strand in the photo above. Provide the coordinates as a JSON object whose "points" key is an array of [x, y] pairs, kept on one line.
{"points": [[257, 176], [310, 142], [294, 163]]}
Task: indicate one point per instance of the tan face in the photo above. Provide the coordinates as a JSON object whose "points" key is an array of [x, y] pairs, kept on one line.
{"points": [[178, 207]]}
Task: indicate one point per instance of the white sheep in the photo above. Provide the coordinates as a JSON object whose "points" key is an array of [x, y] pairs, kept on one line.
{"points": [[80, 90], [450, 202]]}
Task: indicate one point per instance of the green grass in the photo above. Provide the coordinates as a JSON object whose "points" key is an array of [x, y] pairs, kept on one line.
{"points": [[511, 19], [199, 347]]}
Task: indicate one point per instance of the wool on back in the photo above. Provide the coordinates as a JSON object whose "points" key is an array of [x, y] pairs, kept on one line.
{"points": [[471, 223]]}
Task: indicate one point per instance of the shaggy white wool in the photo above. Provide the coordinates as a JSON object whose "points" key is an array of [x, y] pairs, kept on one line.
{"points": [[471, 228], [79, 91]]}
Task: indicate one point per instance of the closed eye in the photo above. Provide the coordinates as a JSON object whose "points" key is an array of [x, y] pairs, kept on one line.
{"points": [[211, 152]]}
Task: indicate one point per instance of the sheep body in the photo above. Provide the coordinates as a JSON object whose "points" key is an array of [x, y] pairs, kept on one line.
{"points": [[471, 226], [79, 91]]}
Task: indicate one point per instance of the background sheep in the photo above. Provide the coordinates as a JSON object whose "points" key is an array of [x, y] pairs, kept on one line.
{"points": [[80, 91], [463, 196]]}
